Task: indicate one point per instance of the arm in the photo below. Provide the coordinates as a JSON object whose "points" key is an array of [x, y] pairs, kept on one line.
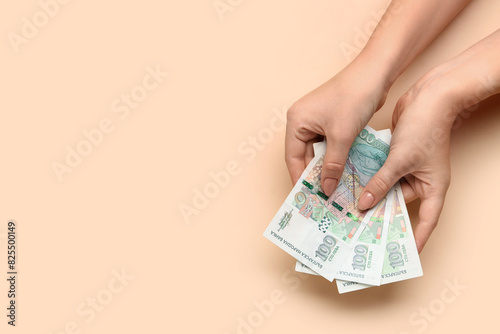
{"points": [[340, 108], [423, 120], [407, 28]]}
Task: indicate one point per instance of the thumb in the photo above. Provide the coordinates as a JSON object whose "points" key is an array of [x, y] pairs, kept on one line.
{"points": [[380, 184], [334, 163]]}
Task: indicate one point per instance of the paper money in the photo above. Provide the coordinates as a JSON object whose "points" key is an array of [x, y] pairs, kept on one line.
{"points": [[364, 263], [401, 259], [320, 231]]}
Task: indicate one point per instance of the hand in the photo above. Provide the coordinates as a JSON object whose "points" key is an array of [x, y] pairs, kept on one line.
{"points": [[423, 119], [419, 152], [337, 110]]}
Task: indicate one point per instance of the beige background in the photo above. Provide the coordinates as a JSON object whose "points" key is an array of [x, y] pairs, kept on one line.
{"points": [[120, 207]]}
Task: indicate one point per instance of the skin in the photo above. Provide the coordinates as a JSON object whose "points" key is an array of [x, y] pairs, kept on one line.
{"points": [[341, 108]]}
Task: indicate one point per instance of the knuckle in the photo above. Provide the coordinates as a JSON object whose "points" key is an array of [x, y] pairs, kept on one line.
{"points": [[294, 111], [342, 138], [380, 184], [440, 186], [395, 116], [430, 223], [404, 99], [399, 164], [332, 166], [295, 119]]}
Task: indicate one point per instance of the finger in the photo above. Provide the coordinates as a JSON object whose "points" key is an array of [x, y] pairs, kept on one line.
{"points": [[337, 150], [380, 184], [395, 116], [309, 152], [398, 109], [428, 216], [295, 151], [408, 192]]}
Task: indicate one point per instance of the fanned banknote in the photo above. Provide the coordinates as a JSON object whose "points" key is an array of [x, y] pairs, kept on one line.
{"points": [[320, 231], [364, 263], [401, 259]]}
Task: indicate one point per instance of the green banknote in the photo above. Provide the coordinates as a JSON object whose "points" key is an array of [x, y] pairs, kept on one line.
{"points": [[401, 259], [364, 263]]}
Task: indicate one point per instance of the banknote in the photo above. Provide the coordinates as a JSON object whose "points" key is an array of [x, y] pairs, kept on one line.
{"points": [[374, 229], [401, 259], [364, 263], [320, 231]]}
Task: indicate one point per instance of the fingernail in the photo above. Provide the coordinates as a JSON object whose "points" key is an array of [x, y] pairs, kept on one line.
{"points": [[329, 186], [366, 201]]}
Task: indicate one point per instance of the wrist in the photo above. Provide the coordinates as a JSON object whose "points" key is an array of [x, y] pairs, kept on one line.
{"points": [[371, 76], [468, 78], [438, 101], [461, 89]]}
